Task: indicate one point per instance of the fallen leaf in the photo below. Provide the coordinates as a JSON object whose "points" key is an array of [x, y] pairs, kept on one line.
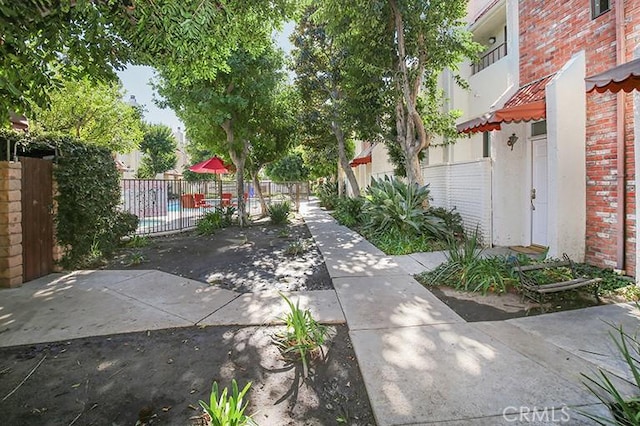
{"points": [[165, 409], [193, 407], [192, 391], [76, 385]]}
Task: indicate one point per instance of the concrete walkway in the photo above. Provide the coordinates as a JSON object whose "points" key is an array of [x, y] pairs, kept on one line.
{"points": [[94, 303], [423, 364]]}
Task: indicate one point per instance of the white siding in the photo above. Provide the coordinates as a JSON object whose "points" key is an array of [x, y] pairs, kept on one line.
{"points": [[467, 187]]}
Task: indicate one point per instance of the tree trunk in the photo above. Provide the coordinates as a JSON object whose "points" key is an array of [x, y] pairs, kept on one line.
{"points": [[407, 116], [258, 189], [344, 161], [238, 159]]}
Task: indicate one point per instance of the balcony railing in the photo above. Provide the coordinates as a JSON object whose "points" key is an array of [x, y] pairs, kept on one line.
{"points": [[490, 57]]}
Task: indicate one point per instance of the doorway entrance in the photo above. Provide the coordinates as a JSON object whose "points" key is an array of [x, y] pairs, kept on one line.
{"points": [[539, 192]]}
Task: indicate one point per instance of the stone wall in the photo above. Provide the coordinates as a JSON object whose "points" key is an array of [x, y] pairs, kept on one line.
{"points": [[10, 224]]}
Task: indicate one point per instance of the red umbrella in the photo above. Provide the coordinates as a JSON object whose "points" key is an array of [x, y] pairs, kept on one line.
{"points": [[212, 165]]}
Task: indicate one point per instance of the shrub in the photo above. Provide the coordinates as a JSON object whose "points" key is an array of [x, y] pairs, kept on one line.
{"points": [[279, 212], [227, 410], [451, 218], [393, 206], [348, 211], [296, 248], [137, 242], [303, 335], [212, 221], [466, 269], [327, 193]]}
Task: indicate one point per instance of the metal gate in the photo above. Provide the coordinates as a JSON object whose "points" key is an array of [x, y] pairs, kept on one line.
{"points": [[37, 218]]}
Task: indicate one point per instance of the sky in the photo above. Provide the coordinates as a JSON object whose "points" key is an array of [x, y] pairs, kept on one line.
{"points": [[135, 80]]}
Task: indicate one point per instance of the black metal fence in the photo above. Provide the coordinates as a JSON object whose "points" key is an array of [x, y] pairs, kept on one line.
{"points": [[165, 206]]}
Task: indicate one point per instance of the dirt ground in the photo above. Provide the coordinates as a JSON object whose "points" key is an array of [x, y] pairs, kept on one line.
{"points": [[474, 307], [245, 260], [158, 378]]}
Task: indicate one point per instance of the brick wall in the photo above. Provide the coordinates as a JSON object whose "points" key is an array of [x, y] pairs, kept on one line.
{"points": [[550, 33], [10, 224]]}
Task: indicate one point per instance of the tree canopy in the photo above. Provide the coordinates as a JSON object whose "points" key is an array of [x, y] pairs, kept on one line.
{"points": [[340, 97], [408, 43], [94, 112], [226, 113], [159, 149], [44, 42], [290, 168]]}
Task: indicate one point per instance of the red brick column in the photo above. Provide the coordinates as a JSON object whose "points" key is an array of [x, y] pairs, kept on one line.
{"points": [[11, 273]]}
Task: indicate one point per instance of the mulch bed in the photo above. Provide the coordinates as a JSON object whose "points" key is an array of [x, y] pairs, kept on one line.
{"points": [[475, 307], [250, 259], [158, 377]]}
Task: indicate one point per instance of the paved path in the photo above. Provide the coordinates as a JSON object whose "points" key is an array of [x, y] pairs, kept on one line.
{"points": [[423, 364], [95, 303]]}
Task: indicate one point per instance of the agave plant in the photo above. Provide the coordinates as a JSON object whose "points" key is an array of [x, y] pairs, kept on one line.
{"points": [[392, 205]]}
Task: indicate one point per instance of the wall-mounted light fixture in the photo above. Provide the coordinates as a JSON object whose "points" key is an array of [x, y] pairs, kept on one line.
{"points": [[512, 141], [492, 40]]}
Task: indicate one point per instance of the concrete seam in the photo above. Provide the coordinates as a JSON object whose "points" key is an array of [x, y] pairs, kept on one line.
{"points": [[216, 310]]}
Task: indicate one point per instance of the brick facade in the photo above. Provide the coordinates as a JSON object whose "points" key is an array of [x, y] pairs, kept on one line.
{"points": [[550, 33], [10, 224]]}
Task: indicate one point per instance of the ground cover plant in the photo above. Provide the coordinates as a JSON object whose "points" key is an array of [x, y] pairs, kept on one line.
{"points": [[467, 270]]}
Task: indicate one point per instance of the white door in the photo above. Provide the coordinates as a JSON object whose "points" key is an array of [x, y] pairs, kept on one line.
{"points": [[539, 192]]}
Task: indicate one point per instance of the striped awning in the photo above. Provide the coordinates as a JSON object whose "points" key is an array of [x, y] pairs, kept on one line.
{"points": [[623, 77], [364, 157], [527, 104]]}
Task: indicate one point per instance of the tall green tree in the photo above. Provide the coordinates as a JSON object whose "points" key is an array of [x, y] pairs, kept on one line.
{"points": [[339, 95], [159, 149], [46, 42], [94, 112], [275, 130], [290, 168], [220, 112], [409, 43]]}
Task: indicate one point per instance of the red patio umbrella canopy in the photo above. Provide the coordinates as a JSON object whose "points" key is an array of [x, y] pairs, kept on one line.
{"points": [[212, 165]]}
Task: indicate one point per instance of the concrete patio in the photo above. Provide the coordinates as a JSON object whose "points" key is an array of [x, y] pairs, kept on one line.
{"points": [[421, 363]]}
